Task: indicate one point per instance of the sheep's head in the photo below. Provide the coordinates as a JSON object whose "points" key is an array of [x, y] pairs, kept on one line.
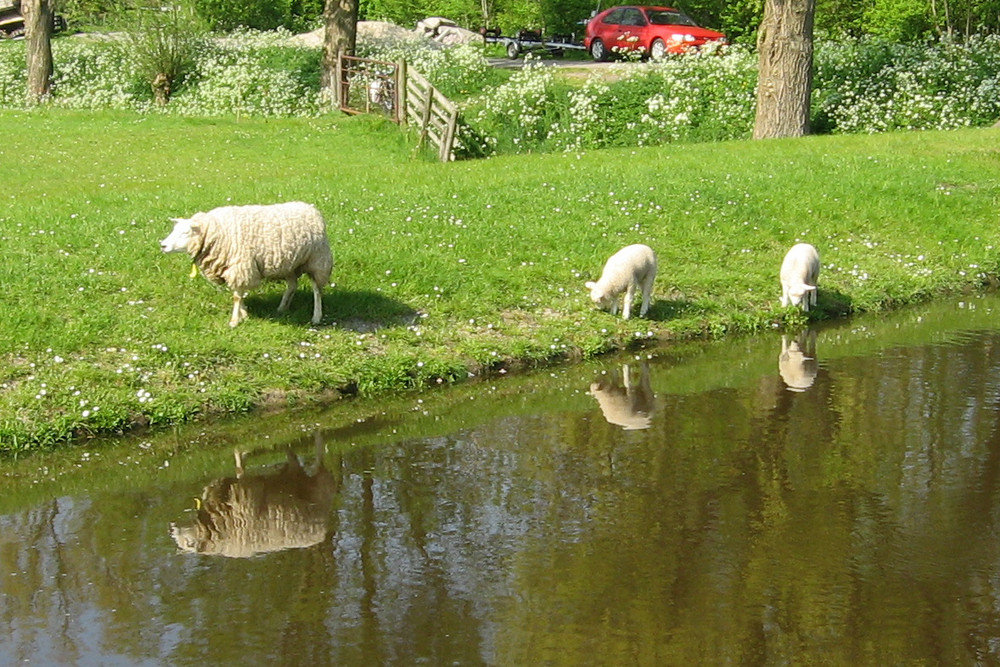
{"points": [[179, 240], [599, 296], [186, 538], [796, 292]]}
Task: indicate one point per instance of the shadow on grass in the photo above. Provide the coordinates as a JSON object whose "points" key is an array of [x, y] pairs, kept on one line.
{"points": [[670, 309], [832, 303], [362, 311]]}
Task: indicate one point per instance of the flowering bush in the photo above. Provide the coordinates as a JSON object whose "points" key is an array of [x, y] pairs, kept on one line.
{"points": [[875, 86], [235, 75], [700, 96]]}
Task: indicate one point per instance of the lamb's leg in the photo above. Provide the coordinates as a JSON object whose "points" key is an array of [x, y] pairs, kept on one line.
{"points": [[286, 298], [239, 312], [784, 295], [317, 302], [814, 296], [647, 293], [629, 297]]}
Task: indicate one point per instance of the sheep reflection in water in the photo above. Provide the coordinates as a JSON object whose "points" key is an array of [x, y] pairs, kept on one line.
{"points": [[262, 511], [624, 401], [797, 363]]}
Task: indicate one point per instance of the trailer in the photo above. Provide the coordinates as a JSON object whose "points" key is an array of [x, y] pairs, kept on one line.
{"points": [[12, 20], [532, 41]]}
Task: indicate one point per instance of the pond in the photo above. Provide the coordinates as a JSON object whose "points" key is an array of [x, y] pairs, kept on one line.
{"points": [[828, 497]]}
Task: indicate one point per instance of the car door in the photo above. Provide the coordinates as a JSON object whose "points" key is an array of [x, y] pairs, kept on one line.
{"points": [[630, 30]]}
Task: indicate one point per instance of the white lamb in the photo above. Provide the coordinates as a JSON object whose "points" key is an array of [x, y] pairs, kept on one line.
{"points": [[240, 246], [631, 266], [799, 276]]}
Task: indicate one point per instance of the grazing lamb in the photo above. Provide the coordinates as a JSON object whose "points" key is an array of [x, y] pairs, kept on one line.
{"points": [[632, 265], [261, 512], [799, 276], [240, 246]]}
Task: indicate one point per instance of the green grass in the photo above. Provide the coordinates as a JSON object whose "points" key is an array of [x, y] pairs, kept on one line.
{"points": [[441, 270]]}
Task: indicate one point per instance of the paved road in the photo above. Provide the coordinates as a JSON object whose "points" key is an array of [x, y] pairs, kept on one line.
{"points": [[582, 63]]}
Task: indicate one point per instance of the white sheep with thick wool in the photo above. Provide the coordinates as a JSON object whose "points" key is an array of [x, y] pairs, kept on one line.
{"points": [[632, 266], [241, 246], [800, 276]]}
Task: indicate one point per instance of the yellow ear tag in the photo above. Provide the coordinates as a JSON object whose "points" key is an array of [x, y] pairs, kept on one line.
{"points": [[194, 270]]}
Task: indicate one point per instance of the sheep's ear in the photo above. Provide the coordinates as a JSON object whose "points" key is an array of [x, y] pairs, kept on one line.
{"points": [[590, 284], [808, 287]]}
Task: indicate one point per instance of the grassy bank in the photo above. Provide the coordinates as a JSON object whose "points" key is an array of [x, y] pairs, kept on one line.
{"points": [[441, 270]]}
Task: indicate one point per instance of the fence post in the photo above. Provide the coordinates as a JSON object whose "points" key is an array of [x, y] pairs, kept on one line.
{"points": [[425, 116], [401, 117], [338, 80], [448, 140]]}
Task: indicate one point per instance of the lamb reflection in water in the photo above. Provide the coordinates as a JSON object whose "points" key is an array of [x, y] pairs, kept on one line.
{"points": [[797, 361], [624, 402], [262, 511]]}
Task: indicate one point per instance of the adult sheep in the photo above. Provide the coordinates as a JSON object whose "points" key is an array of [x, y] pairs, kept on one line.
{"points": [[261, 511], [241, 246]]}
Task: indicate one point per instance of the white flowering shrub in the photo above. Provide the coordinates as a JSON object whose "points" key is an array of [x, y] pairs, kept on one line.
{"points": [[873, 86], [699, 96], [249, 73], [13, 76]]}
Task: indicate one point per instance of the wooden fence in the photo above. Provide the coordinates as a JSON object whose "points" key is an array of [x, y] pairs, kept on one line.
{"points": [[400, 94]]}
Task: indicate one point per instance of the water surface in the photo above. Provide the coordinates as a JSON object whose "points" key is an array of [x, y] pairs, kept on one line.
{"points": [[830, 497]]}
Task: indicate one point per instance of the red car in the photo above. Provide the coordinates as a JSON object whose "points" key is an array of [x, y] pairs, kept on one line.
{"points": [[655, 31]]}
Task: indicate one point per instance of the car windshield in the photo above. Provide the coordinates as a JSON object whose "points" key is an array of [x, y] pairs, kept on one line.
{"points": [[668, 17]]}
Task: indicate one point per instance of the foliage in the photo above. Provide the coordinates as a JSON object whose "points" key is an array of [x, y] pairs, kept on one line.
{"points": [[162, 47], [701, 96], [875, 86], [247, 73], [258, 14]]}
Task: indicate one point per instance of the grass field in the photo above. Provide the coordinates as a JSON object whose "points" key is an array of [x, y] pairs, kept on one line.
{"points": [[441, 270]]}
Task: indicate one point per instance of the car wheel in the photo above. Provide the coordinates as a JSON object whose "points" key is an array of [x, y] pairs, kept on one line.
{"points": [[513, 51], [597, 51], [658, 49]]}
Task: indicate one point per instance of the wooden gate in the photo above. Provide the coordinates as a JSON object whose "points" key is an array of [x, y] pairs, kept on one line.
{"points": [[400, 94]]}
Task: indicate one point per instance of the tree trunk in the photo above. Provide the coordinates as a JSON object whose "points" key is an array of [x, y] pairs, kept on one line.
{"points": [[38, 15], [785, 45], [341, 20]]}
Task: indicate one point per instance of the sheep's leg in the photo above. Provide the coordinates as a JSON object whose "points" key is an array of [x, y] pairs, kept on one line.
{"points": [[239, 462], [286, 298], [239, 312], [317, 302], [813, 294], [784, 295], [629, 297]]}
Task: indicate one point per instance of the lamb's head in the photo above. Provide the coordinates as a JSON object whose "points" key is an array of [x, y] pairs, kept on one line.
{"points": [[599, 295], [180, 239], [797, 292]]}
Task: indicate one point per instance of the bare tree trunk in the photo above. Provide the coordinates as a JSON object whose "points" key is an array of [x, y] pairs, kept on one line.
{"points": [[38, 15], [341, 20], [785, 44]]}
